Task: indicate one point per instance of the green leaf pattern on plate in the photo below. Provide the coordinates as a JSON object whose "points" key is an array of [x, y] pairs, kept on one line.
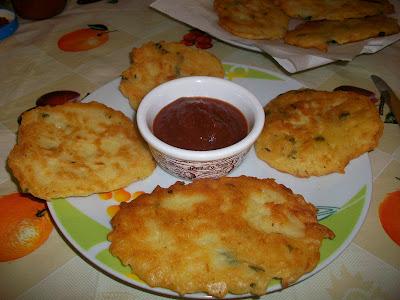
{"points": [[342, 222], [232, 72], [84, 230], [114, 263]]}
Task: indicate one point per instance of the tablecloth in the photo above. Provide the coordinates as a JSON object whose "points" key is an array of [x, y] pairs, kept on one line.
{"points": [[32, 64]]}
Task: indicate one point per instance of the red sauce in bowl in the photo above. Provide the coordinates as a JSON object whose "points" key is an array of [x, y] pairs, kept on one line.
{"points": [[200, 123]]}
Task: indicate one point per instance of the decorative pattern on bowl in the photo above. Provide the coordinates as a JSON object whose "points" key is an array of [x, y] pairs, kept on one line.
{"points": [[190, 170]]}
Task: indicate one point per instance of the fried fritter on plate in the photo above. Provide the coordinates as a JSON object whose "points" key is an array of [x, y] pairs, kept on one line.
{"points": [[219, 236], [77, 149], [319, 34], [252, 19], [156, 63], [314, 133], [335, 9]]}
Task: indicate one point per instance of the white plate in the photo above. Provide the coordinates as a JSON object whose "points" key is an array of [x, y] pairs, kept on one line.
{"points": [[343, 200]]}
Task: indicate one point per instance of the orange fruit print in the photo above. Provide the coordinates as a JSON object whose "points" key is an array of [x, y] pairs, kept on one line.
{"points": [[84, 39], [389, 214], [24, 225]]}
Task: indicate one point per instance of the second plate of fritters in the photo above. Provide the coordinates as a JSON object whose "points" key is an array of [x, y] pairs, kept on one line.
{"points": [[314, 133], [155, 63], [77, 149], [219, 236]]}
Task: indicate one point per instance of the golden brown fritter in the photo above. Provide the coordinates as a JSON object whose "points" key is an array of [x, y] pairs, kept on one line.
{"points": [[335, 9], [77, 149], [319, 34], [313, 133], [219, 236], [156, 63], [252, 19]]}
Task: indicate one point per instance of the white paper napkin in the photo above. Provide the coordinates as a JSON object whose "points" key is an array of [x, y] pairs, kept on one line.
{"points": [[200, 14]]}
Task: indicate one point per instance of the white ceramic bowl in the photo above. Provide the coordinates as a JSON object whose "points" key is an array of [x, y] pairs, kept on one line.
{"points": [[189, 164]]}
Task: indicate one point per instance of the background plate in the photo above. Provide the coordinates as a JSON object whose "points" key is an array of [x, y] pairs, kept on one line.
{"points": [[200, 14], [342, 199]]}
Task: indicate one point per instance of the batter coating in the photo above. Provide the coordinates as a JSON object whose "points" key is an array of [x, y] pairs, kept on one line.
{"points": [[314, 133], [320, 34], [77, 149], [252, 19], [156, 63], [335, 9], [218, 236]]}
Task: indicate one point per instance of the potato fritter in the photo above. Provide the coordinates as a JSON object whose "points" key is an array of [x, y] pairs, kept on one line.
{"points": [[226, 235], [252, 19], [156, 63], [319, 34], [335, 9], [314, 133], [77, 149]]}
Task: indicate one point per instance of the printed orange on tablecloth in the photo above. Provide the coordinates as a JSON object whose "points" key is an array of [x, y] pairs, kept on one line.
{"points": [[24, 225], [389, 214], [84, 39]]}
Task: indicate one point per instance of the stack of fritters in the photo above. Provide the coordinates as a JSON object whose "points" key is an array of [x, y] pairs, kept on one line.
{"points": [[155, 63], [319, 34], [77, 149], [252, 19], [313, 133], [326, 22], [334, 9], [218, 236]]}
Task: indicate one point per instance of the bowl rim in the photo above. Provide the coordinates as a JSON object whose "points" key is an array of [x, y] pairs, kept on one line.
{"points": [[192, 155]]}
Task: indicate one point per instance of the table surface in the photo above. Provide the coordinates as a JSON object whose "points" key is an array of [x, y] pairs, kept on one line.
{"points": [[32, 65]]}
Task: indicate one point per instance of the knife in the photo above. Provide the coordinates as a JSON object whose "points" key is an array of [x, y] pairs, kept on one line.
{"points": [[388, 96]]}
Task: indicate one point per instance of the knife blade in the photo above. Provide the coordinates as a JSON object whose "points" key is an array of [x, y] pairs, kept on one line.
{"points": [[388, 96]]}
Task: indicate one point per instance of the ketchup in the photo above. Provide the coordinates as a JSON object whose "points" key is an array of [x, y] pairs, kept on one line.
{"points": [[200, 123]]}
